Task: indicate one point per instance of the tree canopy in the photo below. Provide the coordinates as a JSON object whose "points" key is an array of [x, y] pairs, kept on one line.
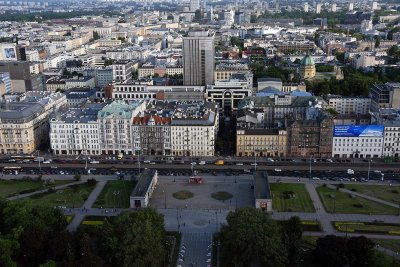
{"points": [[36, 236], [251, 237]]}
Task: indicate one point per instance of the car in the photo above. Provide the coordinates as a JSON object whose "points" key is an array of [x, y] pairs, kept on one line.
{"points": [[146, 161], [315, 178], [193, 163], [350, 171], [254, 164], [94, 162], [329, 160], [53, 167], [377, 171], [47, 161], [278, 170], [152, 163], [270, 159], [202, 162], [239, 164], [62, 173]]}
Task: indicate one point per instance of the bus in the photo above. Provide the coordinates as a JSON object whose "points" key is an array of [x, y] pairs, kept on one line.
{"points": [[12, 170]]}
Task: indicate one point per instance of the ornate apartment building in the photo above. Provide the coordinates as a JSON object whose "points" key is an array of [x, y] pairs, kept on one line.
{"points": [[24, 125]]}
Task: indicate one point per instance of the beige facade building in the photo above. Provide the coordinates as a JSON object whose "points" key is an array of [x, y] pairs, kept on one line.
{"points": [[24, 125], [261, 142]]}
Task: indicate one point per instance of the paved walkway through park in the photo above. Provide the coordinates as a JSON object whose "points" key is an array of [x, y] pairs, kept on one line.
{"points": [[79, 216], [319, 208], [378, 200], [44, 190]]}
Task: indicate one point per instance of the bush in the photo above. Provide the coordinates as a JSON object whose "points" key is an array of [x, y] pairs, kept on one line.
{"points": [[341, 185], [358, 205], [288, 194], [394, 191], [353, 189], [91, 182]]}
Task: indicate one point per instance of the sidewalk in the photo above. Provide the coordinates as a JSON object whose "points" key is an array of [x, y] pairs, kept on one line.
{"points": [[319, 209], [81, 213]]}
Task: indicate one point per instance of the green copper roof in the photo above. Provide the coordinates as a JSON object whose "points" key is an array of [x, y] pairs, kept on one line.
{"points": [[118, 109], [307, 61]]}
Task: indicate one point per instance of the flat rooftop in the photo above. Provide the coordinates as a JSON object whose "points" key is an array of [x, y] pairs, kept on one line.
{"points": [[261, 185], [144, 181]]}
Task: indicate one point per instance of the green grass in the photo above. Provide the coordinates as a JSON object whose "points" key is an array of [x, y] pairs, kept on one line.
{"points": [[344, 203], [115, 194], [221, 195], [392, 244], [183, 195], [70, 197], [368, 227], [384, 192], [9, 188], [383, 260], [300, 201]]}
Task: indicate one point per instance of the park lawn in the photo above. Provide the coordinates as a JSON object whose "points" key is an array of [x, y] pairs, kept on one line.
{"points": [[71, 197], [346, 204], [392, 244], [9, 188], [384, 192], [300, 202], [119, 199]]}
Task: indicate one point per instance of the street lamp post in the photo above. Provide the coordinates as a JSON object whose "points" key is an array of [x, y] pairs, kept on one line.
{"points": [[369, 168], [310, 166], [334, 203]]}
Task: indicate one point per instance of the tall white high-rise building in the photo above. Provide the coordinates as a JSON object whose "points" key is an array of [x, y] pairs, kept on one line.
{"points": [[351, 6], [194, 5], [334, 7], [374, 5], [306, 7], [318, 8], [198, 58]]}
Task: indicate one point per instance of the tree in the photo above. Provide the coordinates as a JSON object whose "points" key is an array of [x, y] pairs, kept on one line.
{"points": [[251, 237], [135, 239], [291, 238], [377, 42], [360, 251], [77, 177], [96, 35], [7, 249], [331, 251]]}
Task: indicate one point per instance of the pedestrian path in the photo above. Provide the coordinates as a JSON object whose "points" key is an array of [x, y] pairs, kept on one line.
{"points": [[381, 201], [319, 208], [195, 250], [44, 190], [79, 216]]}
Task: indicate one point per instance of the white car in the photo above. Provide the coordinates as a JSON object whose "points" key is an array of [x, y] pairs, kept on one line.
{"points": [[270, 159], [239, 164], [278, 170], [47, 161], [254, 164], [146, 161], [193, 163], [315, 178], [350, 171], [61, 172], [329, 160]]}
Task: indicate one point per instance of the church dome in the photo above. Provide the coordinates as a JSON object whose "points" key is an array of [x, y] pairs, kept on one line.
{"points": [[307, 61]]}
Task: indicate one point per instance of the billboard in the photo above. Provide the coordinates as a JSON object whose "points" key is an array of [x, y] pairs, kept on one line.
{"points": [[358, 131], [8, 52]]}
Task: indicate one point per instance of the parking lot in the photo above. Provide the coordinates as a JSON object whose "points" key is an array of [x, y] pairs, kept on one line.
{"points": [[242, 194]]}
